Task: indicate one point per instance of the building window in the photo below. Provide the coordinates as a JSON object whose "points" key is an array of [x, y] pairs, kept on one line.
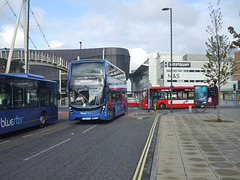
{"points": [[185, 80], [228, 97], [185, 70]]}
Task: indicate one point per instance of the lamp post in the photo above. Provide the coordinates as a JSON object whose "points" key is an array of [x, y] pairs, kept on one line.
{"points": [[171, 88], [80, 47]]}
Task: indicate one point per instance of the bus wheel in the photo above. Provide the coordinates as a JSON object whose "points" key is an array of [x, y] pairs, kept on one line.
{"points": [[162, 106], [43, 120]]}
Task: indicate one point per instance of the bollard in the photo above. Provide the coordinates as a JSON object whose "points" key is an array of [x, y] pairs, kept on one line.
{"points": [[190, 109], [155, 104]]}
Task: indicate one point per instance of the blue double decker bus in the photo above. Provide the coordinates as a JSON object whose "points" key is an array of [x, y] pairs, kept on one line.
{"points": [[97, 90], [26, 100]]}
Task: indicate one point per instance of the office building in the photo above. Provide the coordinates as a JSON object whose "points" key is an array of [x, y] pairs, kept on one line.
{"points": [[186, 71]]}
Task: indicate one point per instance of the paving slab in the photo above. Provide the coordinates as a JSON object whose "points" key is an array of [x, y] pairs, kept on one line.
{"points": [[192, 148]]}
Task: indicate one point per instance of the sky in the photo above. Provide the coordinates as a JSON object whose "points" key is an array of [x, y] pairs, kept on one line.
{"points": [[137, 25]]}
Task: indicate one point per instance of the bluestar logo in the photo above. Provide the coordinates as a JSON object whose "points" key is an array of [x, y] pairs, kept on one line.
{"points": [[85, 113], [11, 122]]}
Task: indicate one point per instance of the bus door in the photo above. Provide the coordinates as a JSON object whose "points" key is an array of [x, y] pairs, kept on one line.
{"points": [[116, 104], [153, 96], [157, 96]]}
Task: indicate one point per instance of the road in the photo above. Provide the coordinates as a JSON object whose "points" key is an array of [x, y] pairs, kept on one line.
{"points": [[74, 150]]}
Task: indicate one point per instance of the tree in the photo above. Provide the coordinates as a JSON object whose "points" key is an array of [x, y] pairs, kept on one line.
{"points": [[220, 65], [235, 36]]}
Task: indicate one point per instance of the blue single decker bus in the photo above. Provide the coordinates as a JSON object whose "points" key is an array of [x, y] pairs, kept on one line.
{"points": [[97, 90], [26, 100]]}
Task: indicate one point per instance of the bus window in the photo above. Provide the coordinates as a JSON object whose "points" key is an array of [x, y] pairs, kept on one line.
{"points": [[118, 97], [174, 95], [185, 95], [191, 95], [44, 95], [4, 96], [31, 97], [18, 98], [154, 94], [163, 95], [180, 95]]}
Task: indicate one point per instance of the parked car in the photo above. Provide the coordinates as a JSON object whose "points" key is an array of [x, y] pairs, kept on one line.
{"points": [[133, 102]]}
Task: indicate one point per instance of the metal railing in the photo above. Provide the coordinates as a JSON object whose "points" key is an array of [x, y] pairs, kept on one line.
{"points": [[36, 57]]}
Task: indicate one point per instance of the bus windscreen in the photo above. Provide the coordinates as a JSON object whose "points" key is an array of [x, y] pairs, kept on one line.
{"points": [[87, 85]]}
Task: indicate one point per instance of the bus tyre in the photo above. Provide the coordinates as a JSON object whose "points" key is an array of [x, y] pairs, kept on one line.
{"points": [[162, 106], [43, 120]]}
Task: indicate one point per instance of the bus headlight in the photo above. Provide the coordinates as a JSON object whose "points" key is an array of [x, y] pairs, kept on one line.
{"points": [[70, 110], [103, 109]]}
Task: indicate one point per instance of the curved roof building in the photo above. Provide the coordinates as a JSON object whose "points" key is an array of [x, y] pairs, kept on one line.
{"points": [[118, 56]]}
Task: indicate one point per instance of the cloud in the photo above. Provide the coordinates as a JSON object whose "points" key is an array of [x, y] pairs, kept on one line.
{"points": [[138, 25], [6, 34], [138, 57], [56, 44]]}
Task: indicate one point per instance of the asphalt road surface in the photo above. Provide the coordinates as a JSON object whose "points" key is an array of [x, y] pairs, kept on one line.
{"points": [[74, 150]]}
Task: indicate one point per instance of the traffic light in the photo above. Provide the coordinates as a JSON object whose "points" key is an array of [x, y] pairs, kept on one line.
{"points": [[234, 87]]}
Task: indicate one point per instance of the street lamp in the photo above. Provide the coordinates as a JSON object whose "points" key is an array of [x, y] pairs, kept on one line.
{"points": [[80, 47], [171, 88]]}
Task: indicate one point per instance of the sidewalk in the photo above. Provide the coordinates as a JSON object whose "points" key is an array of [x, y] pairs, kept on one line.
{"points": [[191, 149]]}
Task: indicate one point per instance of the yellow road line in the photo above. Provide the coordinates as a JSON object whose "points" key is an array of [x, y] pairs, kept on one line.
{"points": [[142, 161]]}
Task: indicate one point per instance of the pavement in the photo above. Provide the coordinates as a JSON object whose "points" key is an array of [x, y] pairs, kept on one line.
{"points": [[191, 148]]}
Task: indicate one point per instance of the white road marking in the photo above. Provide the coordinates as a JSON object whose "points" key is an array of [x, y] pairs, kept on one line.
{"points": [[47, 149], [27, 135], [89, 129], [44, 130], [4, 142]]}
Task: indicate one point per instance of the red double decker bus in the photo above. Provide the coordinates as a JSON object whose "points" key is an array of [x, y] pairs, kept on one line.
{"points": [[182, 96]]}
